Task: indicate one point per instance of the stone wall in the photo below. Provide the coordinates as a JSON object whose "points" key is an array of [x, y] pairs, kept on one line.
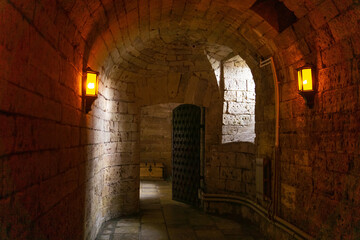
{"points": [[319, 146], [156, 135], [63, 172], [42, 150], [113, 156], [53, 156], [232, 170]]}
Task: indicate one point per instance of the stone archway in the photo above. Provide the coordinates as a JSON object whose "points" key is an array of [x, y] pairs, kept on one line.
{"points": [[46, 45]]}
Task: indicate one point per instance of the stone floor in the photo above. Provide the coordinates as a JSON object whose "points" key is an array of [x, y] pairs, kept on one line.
{"points": [[164, 219]]}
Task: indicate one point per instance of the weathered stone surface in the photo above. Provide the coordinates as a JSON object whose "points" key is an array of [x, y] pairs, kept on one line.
{"points": [[234, 163], [54, 157], [173, 83], [239, 101]]}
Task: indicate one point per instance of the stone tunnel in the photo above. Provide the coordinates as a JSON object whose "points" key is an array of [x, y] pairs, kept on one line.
{"points": [[266, 155]]}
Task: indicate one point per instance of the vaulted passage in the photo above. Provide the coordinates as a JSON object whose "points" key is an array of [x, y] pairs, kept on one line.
{"points": [[70, 163]]}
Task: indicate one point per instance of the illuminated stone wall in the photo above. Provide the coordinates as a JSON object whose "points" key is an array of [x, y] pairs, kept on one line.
{"points": [[239, 102], [112, 188], [319, 146], [63, 172]]}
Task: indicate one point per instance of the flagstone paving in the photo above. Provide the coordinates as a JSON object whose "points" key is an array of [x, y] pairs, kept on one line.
{"points": [[161, 218]]}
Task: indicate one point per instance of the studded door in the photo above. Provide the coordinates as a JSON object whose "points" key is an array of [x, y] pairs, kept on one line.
{"points": [[186, 154]]}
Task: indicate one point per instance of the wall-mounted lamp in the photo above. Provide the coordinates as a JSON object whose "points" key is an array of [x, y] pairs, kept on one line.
{"points": [[306, 83], [91, 88]]}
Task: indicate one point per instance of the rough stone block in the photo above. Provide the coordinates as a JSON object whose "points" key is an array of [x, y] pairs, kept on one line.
{"points": [[323, 13], [288, 198], [302, 27], [230, 96], [173, 83], [233, 186], [345, 24], [337, 53], [244, 161], [237, 108], [122, 107], [230, 173], [124, 147]]}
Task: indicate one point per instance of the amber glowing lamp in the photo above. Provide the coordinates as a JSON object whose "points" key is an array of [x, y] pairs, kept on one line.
{"points": [[91, 88], [306, 83]]}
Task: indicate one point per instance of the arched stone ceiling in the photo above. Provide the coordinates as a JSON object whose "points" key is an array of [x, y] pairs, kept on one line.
{"points": [[135, 35]]}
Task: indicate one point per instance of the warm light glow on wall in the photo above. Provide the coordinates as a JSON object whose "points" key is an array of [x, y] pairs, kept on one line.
{"points": [[305, 79], [91, 84]]}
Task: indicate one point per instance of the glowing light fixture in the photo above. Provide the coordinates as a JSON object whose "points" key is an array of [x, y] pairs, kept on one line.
{"points": [[91, 88], [91, 83], [306, 84]]}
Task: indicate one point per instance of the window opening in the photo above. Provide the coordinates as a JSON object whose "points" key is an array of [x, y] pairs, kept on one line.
{"points": [[238, 123]]}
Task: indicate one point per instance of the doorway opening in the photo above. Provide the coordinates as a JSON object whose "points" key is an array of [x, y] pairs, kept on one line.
{"points": [[155, 141]]}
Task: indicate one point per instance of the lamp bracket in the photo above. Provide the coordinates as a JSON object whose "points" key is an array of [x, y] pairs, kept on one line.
{"points": [[88, 102], [88, 69], [308, 97]]}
